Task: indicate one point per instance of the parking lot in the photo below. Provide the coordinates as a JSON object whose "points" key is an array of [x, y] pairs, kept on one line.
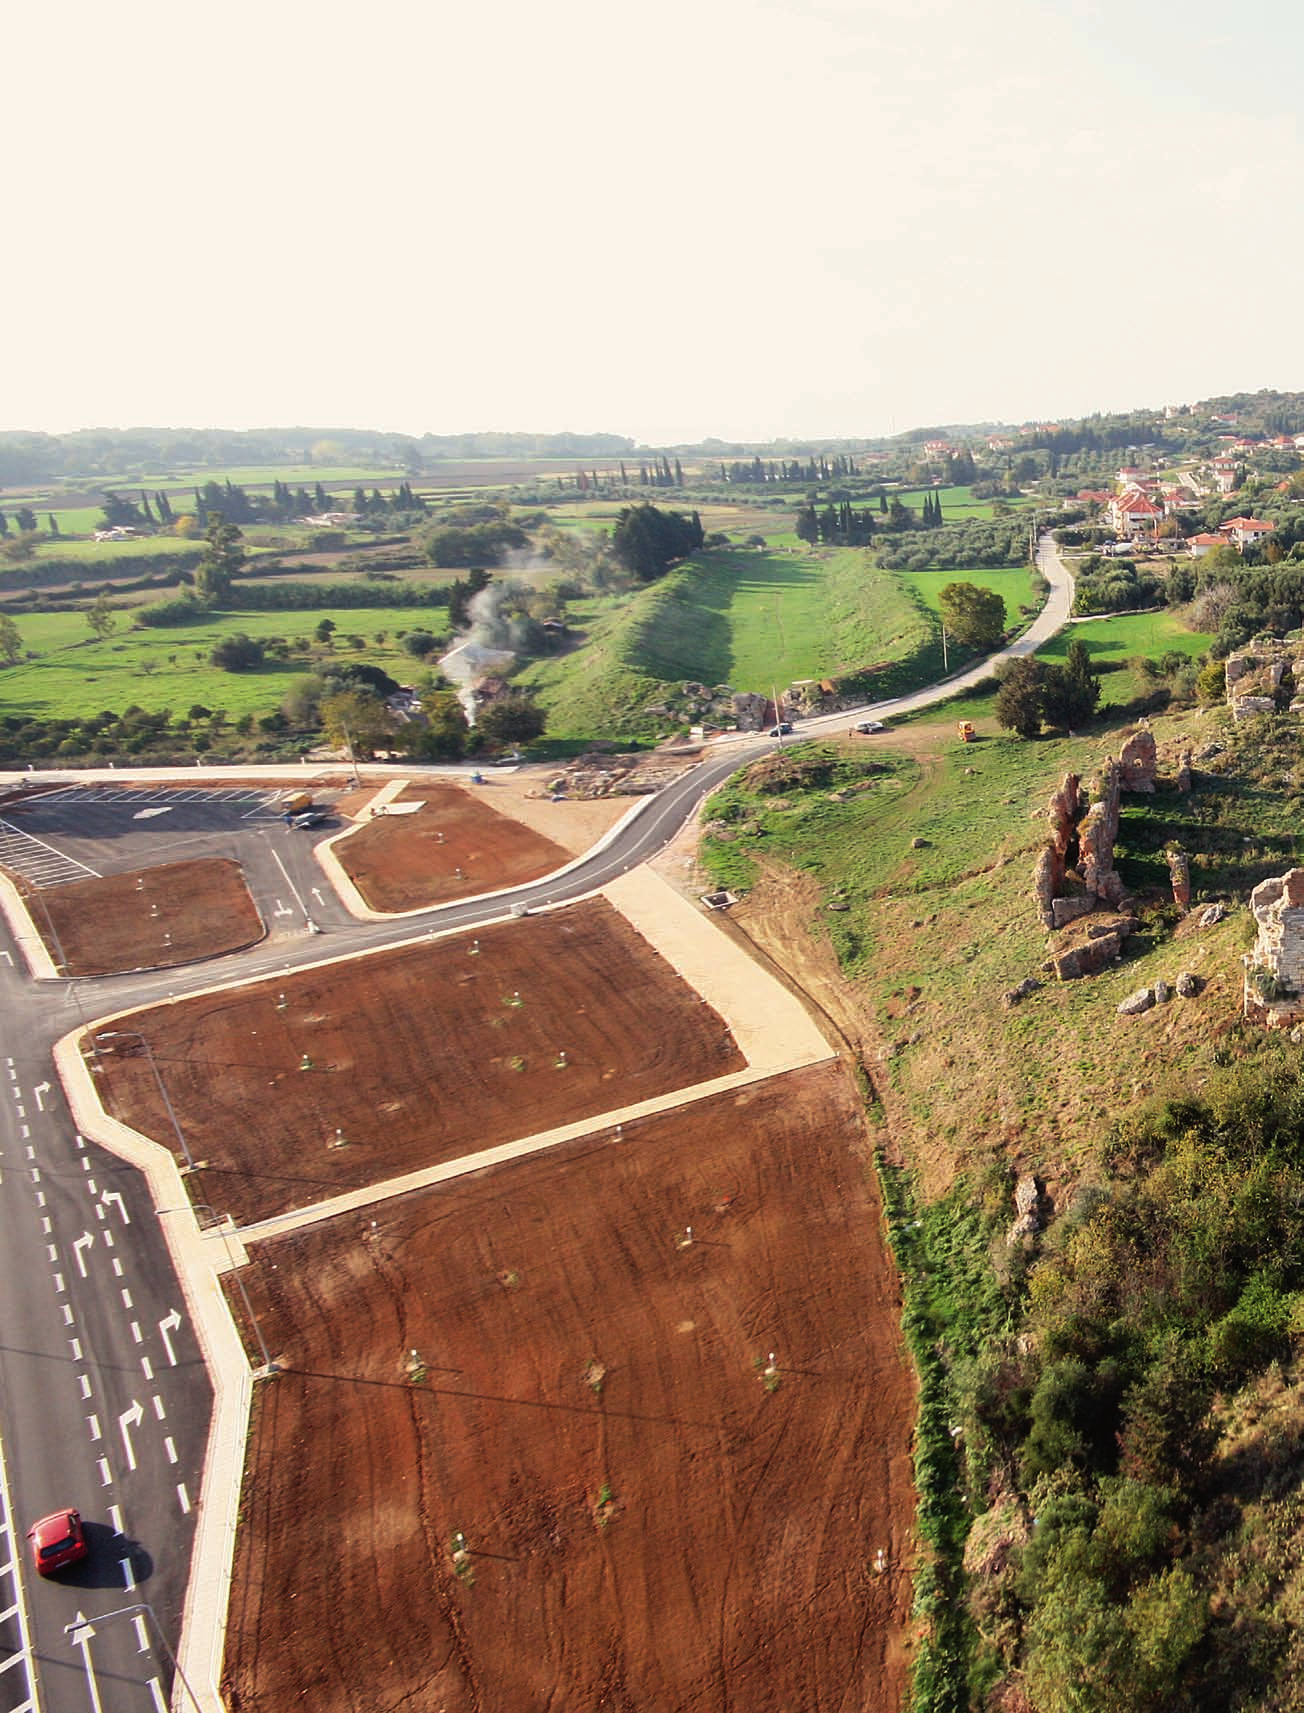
{"points": [[83, 832]]}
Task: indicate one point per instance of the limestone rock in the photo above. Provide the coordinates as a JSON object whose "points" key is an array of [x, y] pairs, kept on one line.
{"points": [[1184, 771], [1213, 915], [1188, 985], [1136, 1003], [1163, 993], [1138, 761], [1028, 986], [917, 844]]}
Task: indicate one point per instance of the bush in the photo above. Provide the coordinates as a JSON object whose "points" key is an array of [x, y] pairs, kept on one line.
{"points": [[238, 653]]}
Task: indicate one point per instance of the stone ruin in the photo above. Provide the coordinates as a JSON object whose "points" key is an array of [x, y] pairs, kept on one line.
{"points": [[1256, 674], [1274, 970]]}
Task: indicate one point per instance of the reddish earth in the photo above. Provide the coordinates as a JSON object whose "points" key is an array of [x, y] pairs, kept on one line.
{"points": [[648, 1525], [415, 1056], [150, 918], [455, 846]]}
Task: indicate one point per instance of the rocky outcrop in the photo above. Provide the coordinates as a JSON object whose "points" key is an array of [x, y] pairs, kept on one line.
{"points": [[1184, 771], [750, 711], [1135, 1003], [1274, 970], [1179, 871], [1097, 836], [1138, 761], [1027, 1208]]}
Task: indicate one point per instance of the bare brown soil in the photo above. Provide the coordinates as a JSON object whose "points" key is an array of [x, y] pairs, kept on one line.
{"points": [[537, 1359], [148, 918], [454, 846], [415, 1056]]}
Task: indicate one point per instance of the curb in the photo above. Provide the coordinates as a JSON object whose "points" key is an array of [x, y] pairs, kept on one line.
{"points": [[204, 1615]]}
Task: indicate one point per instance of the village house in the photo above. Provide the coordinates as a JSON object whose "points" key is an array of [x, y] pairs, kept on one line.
{"points": [[1134, 513], [1242, 530]]}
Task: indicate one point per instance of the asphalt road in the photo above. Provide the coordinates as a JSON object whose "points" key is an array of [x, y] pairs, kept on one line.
{"points": [[105, 1396], [106, 1399]]}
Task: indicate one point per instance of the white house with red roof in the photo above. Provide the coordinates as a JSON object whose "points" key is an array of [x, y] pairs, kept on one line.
{"points": [[1225, 473], [1246, 530], [937, 451], [1134, 513], [1198, 545]]}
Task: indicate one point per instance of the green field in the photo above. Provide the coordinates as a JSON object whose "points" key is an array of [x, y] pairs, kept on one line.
{"points": [[75, 676], [959, 503], [1016, 585]]}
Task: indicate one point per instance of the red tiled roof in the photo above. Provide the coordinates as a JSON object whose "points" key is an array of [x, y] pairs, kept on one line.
{"points": [[1244, 523]]}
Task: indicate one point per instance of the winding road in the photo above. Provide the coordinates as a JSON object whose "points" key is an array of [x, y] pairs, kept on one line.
{"points": [[105, 1396]]}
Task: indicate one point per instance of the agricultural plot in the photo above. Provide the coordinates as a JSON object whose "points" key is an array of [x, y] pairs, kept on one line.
{"points": [[75, 676], [151, 918], [453, 846], [623, 1425], [300, 1088]]}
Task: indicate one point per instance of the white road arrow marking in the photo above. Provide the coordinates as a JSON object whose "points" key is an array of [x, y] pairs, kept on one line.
{"points": [[38, 1091], [148, 814], [316, 892], [81, 1638], [282, 909], [115, 1195], [133, 1418], [85, 1241], [170, 1322]]}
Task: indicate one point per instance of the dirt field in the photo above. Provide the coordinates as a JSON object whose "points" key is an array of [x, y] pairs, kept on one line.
{"points": [[416, 1056], [150, 918], [455, 846], [649, 1524]]}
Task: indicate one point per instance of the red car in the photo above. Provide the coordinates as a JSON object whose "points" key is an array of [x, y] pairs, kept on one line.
{"points": [[57, 1541]]}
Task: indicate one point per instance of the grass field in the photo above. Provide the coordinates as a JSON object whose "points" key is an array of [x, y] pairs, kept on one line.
{"points": [[959, 503], [75, 675], [1016, 585]]}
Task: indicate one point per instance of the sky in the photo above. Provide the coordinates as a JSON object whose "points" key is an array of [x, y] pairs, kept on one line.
{"points": [[743, 218]]}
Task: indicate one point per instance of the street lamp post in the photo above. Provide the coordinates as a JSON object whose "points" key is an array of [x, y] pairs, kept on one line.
{"points": [[83, 1624], [135, 1035], [221, 1219]]}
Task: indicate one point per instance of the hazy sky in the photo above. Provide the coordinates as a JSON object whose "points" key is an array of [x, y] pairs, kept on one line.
{"points": [[747, 218]]}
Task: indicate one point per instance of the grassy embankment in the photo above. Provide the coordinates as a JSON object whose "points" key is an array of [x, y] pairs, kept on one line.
{"points": [[751, 620]]}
